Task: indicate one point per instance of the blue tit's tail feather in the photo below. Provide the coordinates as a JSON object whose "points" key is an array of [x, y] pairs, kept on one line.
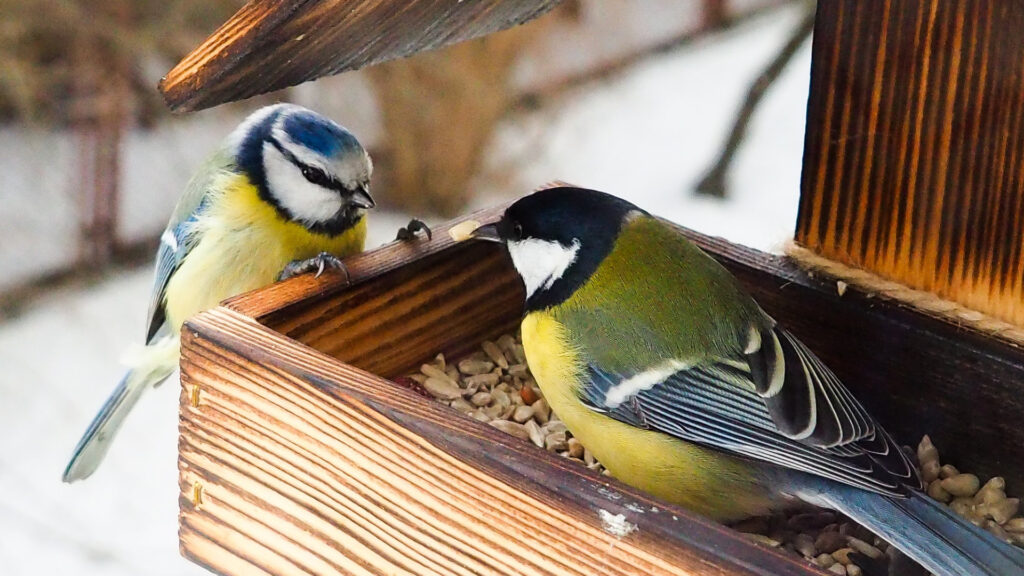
{"points": [[927, 531], [150, 367]]}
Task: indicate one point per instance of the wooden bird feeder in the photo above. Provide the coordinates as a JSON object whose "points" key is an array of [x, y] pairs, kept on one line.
{"points": [[298, 455]]}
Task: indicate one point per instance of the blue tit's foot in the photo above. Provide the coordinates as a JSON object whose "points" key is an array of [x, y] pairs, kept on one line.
{"points": [[320, 262], [410, 230]]}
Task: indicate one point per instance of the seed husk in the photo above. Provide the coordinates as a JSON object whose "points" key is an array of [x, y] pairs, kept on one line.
{"points": [[541, 411], [926, 451], [442, 389], [824, 560], [488, 380], [764, 540], [432, 371], [948, 471], [804, 544], [864, 548], [993, 491], [936, 491], [575, 448], [472, 367], [1003, 510], [535, 434], [519, 353], [829, 542], [495, 354], [481, 399], [1015, 525], [555, 442], [930, 471], [961, 484], [522, 414], [513, 428], [842, 555]]}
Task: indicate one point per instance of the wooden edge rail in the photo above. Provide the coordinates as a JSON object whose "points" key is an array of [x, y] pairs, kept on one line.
{"points": [[361, 267], [293, 463]]}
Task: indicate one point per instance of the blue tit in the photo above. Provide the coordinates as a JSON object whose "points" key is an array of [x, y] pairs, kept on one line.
{"points": [[681, 385], [286, 185]]}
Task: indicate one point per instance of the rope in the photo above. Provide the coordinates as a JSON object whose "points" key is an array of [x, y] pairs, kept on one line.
{"points": [[926, 302]]}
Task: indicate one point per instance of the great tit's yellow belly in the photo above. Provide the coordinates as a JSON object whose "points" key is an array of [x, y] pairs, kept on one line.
{"points": [[699, 479], [244, 245]]}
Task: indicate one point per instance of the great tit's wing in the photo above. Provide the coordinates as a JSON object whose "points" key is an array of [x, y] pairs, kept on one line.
{"points": [[181, 235], [782, 406]]}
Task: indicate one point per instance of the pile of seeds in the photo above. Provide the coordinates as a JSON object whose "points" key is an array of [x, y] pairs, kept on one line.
{"points": [[842, 546], [494, 385]]}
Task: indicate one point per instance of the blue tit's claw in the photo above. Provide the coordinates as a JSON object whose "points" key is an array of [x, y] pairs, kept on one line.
{"points": [[319, 263], [408, 232]]}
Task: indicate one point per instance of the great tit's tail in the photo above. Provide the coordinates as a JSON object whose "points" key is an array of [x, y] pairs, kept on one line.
{"points": [[149, 368], [926, 531]]}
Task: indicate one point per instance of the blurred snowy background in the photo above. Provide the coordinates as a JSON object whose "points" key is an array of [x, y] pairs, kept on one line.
{"points": [[634, 98]]}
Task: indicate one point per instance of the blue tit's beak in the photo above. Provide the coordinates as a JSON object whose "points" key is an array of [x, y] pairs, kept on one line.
{"points": [[361, 198], [487, 232]]}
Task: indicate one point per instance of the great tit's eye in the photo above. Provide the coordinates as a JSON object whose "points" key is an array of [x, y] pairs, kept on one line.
{"points": [[517, 231]]}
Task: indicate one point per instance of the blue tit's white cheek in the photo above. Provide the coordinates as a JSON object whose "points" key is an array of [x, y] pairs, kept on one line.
{"points": [[305, 201], [541, 262], [351, 166]]}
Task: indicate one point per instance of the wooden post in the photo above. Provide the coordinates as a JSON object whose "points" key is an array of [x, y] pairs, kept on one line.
{"points": [[914, 155]]}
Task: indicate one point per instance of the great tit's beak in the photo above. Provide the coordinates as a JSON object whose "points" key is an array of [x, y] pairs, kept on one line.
{"points": [[487, 232], [361, 198]]}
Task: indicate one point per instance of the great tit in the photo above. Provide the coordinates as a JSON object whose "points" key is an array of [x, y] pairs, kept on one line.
{"points": [[681, 385], [287, 188]]}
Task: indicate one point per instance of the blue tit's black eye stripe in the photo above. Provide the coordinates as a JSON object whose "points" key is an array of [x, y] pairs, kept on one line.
{"points": [[318, 177], [310, 173]]}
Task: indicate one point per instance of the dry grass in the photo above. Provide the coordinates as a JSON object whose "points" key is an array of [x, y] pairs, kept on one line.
{"points": [[57, 57]]}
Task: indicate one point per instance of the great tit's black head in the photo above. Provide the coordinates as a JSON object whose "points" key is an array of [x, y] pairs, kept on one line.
{"points": [[557, 238], [309, 168]]}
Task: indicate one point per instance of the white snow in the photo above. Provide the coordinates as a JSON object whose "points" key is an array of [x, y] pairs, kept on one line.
{"points": [[645, 135]]}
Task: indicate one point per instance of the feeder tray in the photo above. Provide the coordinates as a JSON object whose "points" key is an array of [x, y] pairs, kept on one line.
{"points": [[298, 455]]}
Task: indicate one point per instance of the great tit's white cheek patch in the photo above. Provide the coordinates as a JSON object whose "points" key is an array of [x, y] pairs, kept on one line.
{"points": [[541, 262], [306, 201]]}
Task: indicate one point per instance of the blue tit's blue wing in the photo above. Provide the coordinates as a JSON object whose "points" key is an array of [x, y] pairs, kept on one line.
{"points": [[182, 234], [782, 406]]}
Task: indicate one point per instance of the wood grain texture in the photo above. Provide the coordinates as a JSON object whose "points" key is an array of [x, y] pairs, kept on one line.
{"points": [[915, 136], [307, 466], [271, 44]]}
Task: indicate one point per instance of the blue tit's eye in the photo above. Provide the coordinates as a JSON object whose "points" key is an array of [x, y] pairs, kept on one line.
{"points": [[318, 177]]}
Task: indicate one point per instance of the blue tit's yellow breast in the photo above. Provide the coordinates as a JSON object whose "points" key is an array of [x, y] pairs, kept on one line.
{"points": [[702, 480], [244, 243]]}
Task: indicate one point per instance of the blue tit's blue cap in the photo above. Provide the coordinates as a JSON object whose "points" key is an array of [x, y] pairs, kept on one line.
{"points": [[319, 134]]}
